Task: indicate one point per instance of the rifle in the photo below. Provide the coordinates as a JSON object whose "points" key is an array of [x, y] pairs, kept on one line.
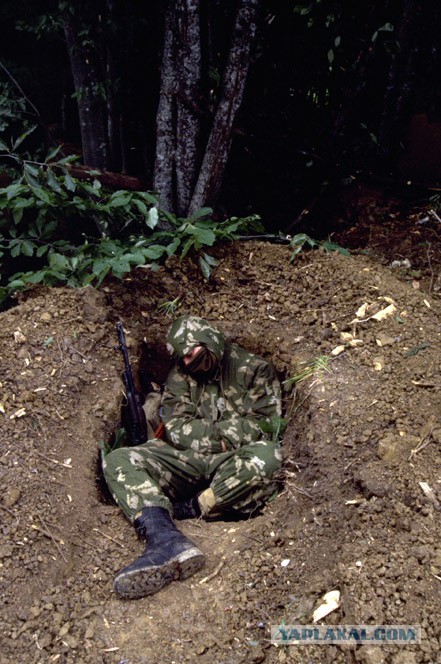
{"points": [[137, 427]]}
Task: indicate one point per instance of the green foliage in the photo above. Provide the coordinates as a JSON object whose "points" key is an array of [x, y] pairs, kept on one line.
{"points": [[301, 240], [274, 427], [170, 308], [312, 368], [119, 441], [12, 109], [126, 229], [48, 192]]}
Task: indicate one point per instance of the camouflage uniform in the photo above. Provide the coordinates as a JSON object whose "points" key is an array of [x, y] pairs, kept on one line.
{"points": [[198, 417]]}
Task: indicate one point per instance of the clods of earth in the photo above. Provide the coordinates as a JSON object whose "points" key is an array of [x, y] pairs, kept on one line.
{"points": [[357, 343]]}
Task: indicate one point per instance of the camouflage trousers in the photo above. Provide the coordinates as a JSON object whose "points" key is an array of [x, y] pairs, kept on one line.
{"points": [[157, 474]]}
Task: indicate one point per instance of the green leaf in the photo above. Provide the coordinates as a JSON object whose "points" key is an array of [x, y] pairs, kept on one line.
{"points": [[101, 265], [169, 217], [27, 247], [17, 215], [213, 262], [42, 250], [58, 262], [42, 195], [202, 212], [20, 202], [119, 199], [14, 248], [53, 153], [69, 159], [21, 138], [135, 258], [142, 207], [119, 269], [69, 183], [154, 251], [187, 246], [15, 284], [205, 267], [31, 175], [203, 235], [53, 182], [14, 190], [387, 27], [152, 217], [333, 246], [301, 239], [172, 247], [36, 277], [146, 196]]}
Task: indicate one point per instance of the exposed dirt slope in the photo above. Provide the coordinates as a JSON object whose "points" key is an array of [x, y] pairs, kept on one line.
{"points": [[351, 514]]}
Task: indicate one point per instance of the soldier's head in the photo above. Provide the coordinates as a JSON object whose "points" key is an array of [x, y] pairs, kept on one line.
{"points": [[197, 344]]}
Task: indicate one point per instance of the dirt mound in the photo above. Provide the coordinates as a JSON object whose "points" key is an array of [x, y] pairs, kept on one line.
{"points": [[364, 433]]}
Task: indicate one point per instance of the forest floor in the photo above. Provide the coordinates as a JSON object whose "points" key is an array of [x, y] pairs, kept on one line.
{"points": [[359, 508]]}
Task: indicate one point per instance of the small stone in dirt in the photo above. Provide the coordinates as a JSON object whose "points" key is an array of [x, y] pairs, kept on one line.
{"points": [[394, 448], [370, 655], [5, 551], [11, 497], [404, 658], [46, 317], [371, 482], [384, 339]]}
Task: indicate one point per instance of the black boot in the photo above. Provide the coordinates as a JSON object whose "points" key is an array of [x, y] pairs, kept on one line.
{"points": [[187, 509], [168, 556]]}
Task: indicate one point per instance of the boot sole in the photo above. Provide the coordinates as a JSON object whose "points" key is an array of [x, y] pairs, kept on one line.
{"points": [[139, 583]]}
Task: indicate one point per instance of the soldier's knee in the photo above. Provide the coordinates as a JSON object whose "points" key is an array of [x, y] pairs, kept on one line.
{"points": [[114, 460], [273, 463], [265, 456]]}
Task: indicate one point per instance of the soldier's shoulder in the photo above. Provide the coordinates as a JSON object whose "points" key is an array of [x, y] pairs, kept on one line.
{"points": [[243, 356]]}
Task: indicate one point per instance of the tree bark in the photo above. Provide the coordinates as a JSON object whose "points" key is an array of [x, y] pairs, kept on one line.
{"points": [[401, 79], [114, 74], [188, 92], [91, 103], [165, 119], [216, 154]]}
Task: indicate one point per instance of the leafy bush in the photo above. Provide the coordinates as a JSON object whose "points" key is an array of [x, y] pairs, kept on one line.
{"points": [[125, 229], [302, 240]]}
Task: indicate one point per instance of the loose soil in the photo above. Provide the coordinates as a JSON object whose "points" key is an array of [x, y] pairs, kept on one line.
{"points": [[364, 431]]}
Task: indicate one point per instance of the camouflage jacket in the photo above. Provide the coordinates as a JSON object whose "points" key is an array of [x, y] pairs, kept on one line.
{"points": [[244, 392]]}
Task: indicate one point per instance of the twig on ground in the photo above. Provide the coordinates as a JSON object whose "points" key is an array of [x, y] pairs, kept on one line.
{"points": [[7, 510], [424, 440], [110, 538], [213, 574], [429, 262], [299, 489], [48, 533], [59, 463]]}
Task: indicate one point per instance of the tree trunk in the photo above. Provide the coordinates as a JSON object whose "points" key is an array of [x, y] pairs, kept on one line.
{"points": [[401, 79], [165, 119], [188, 93], [114, 74], [216, 154], [177, 122], [91, 102]]}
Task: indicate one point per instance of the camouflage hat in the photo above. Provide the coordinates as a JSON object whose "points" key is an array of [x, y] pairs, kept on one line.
{"points": [[190, 331]]}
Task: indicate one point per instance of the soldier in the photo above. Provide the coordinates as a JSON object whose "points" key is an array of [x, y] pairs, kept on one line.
{"points": [[216, 459]]}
